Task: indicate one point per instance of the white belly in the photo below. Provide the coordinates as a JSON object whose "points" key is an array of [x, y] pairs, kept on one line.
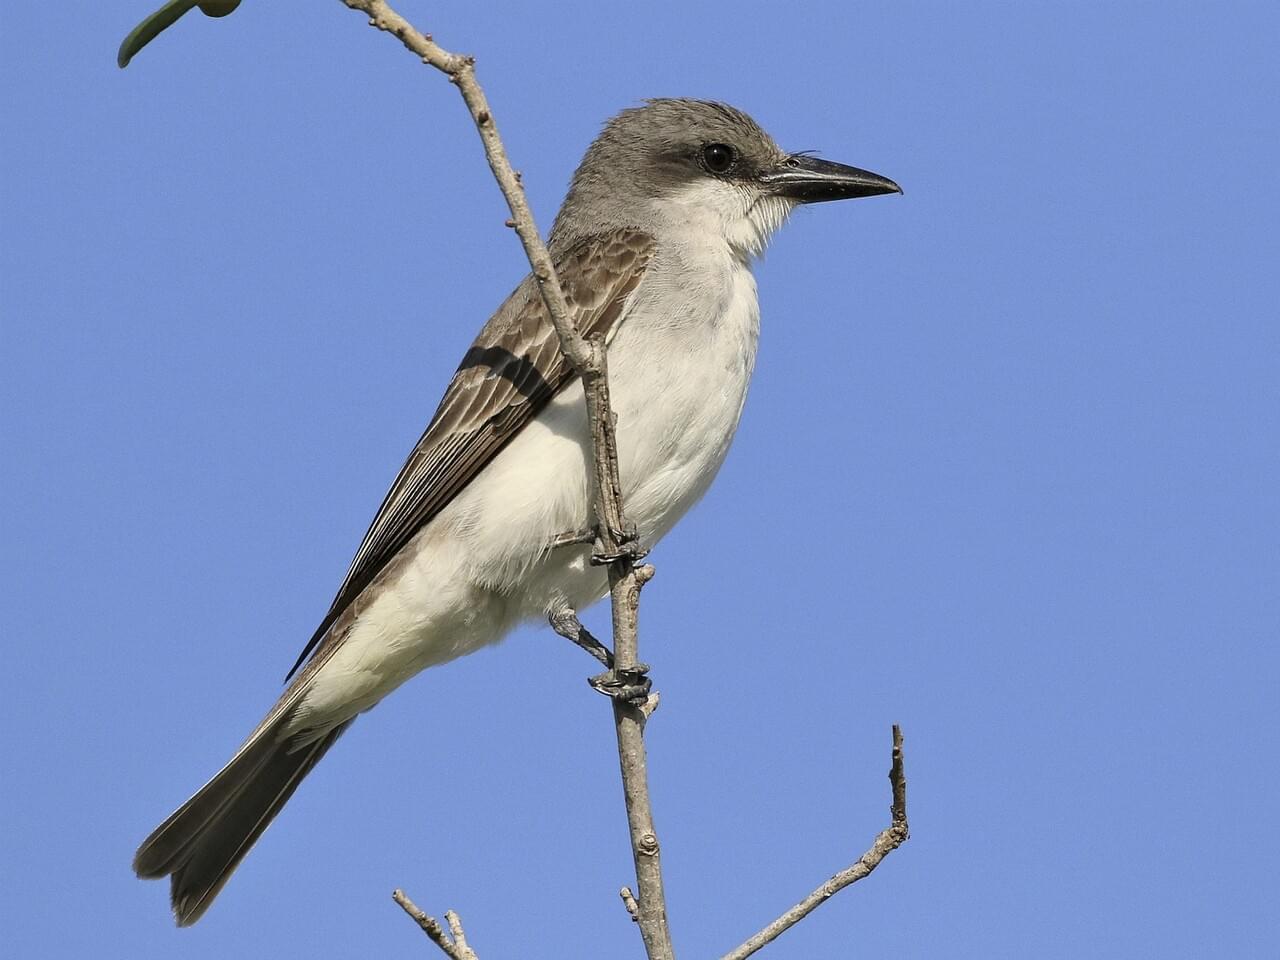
{"points": [[483, 564]]}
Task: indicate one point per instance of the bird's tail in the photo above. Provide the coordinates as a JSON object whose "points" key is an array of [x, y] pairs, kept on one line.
{"points": [[205, 839]]}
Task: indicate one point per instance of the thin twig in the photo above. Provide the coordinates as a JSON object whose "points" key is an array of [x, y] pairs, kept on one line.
{"points": [[885, 843], [649, 705], [589, 361], [454, 943], [629, 902], [625, 582], [461, 70]]}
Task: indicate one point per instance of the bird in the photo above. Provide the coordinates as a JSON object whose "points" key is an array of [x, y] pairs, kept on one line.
{"points": [[673, 203]]}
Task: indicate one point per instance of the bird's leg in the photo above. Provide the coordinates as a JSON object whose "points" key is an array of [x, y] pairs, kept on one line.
{"points": [[630, 685], [564, 621], [574, 537]]}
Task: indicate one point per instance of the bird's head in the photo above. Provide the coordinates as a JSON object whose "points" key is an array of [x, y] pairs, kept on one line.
{"points": [[703, 165]]}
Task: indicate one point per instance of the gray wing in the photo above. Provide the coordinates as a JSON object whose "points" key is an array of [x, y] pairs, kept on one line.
{"points": [[510, 373]]}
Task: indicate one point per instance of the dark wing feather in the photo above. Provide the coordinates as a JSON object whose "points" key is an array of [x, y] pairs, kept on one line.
{"points": [[510, 373]]}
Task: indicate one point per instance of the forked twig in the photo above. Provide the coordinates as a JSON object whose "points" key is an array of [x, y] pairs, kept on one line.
{"points": [[453, 943], [888, 840]]}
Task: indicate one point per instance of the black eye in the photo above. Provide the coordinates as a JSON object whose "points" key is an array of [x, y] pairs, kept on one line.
{"points": [[718, 157]]}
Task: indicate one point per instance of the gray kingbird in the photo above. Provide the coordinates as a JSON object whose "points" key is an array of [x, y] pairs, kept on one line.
{"points": [[653, 247]]}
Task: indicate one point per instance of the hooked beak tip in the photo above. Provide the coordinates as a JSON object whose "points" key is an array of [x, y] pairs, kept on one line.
{"points": [[808, 179]]}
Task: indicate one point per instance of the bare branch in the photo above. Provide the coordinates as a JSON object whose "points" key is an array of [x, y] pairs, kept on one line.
{"points": [[461, 71], [884, 844], [614, 537], [459, 936], [649, 705], [454, 943], [629, 901]]}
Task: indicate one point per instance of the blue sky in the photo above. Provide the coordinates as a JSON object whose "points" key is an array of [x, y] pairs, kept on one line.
{"points": [[1007, 476]]}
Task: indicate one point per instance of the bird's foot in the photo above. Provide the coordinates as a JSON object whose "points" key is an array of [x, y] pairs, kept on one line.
{"points": [[630, 686], [628, 543], [629, 548], [564, 621]]}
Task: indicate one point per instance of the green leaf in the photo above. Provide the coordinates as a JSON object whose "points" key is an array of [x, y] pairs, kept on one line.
{"points": [[163, 19]]}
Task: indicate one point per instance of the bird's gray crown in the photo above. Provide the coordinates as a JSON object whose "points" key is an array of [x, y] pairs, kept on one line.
{"points": [[651, 151]]}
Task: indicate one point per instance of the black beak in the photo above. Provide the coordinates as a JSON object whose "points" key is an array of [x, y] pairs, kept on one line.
{"points": [[810, 180]]}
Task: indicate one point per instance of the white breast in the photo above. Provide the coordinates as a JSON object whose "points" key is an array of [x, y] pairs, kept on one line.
{"points": [[679, 368], [679, 381]]}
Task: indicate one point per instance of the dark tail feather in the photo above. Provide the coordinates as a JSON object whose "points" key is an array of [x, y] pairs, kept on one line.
{"points": [[206, 838]]}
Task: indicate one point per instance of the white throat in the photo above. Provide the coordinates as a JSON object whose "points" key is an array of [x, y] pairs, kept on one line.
{"points": [[744, 218]]}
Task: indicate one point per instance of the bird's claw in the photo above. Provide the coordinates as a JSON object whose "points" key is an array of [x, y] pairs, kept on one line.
{"points": [[629, 548], [630, 686]]}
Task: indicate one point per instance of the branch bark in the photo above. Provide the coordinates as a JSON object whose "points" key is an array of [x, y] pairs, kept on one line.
{"points": [[453, 943], [614, 537], [461, 70], [888, 840]]}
